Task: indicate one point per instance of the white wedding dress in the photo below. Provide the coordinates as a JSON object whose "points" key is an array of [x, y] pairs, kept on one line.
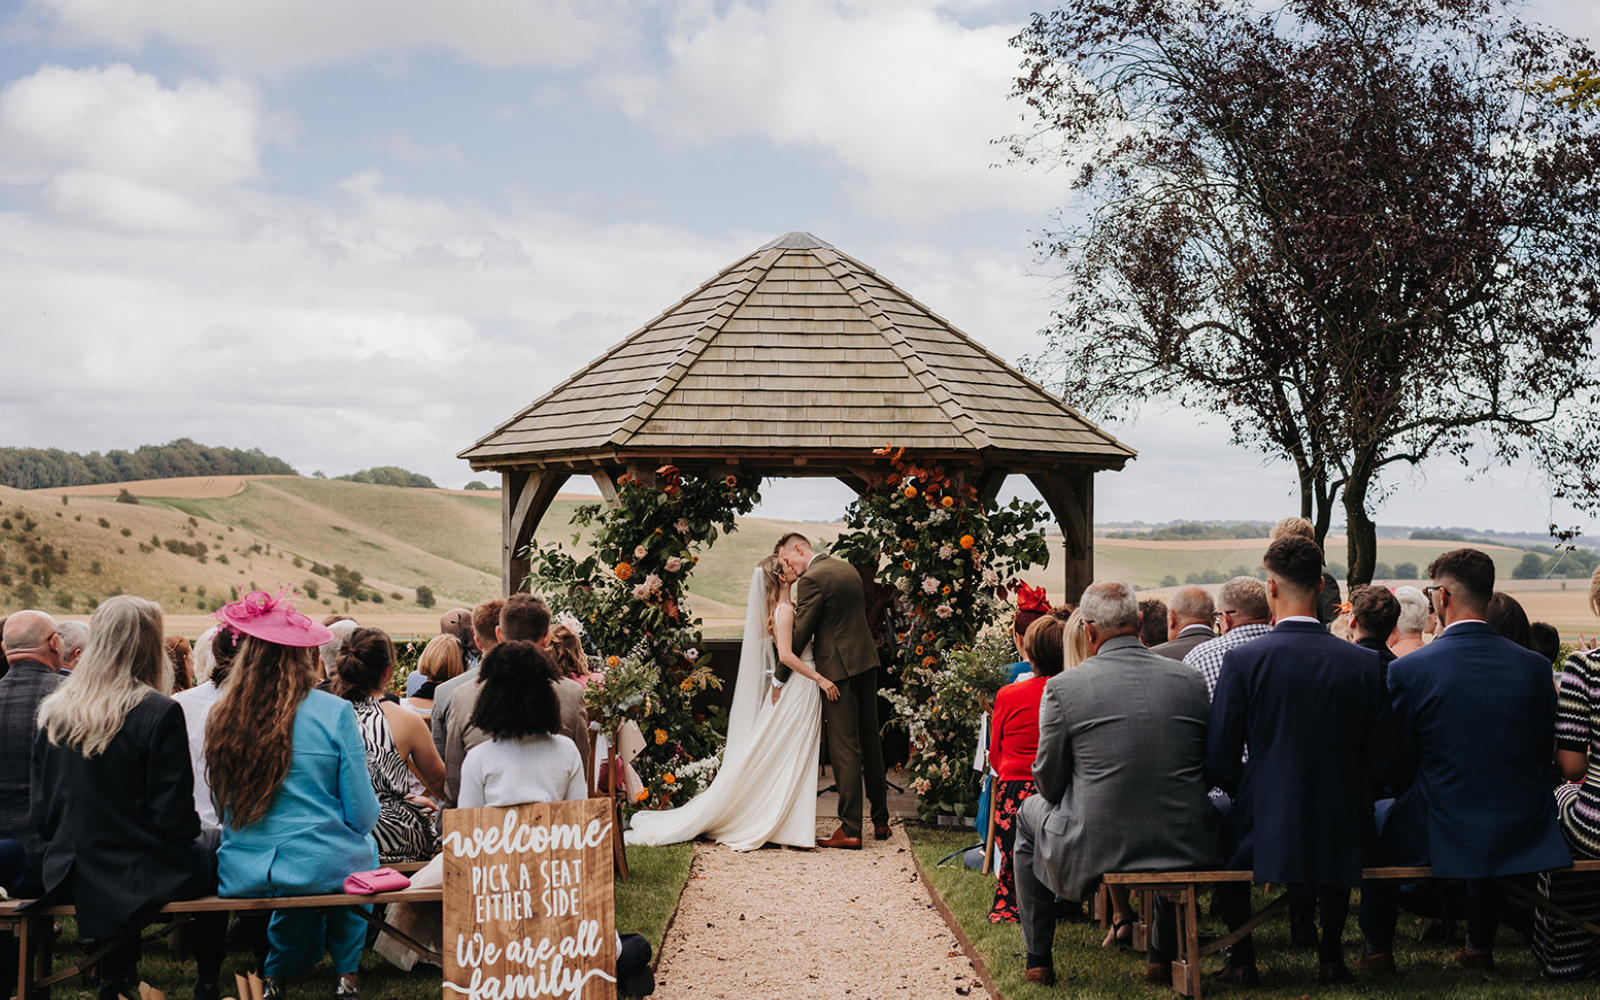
{"points": [[766, 789]]}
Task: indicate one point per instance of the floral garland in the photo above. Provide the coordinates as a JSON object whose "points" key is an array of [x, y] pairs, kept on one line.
{"points": [[628, 593], [951, 561]]}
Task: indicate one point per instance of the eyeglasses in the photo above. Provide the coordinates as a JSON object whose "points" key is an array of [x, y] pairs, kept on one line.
{"points": [[1428, 591]]}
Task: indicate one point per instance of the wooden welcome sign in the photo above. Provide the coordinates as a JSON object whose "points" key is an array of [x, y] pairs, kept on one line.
{"points": [[528, 904]]}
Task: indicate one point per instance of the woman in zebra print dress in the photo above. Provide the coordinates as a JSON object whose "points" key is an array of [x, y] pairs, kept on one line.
{"points": [[398, 745], [1566, 951]]}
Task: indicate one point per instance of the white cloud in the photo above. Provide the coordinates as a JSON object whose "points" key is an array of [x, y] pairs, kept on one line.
{"points": [[905, 97], [293, 34]]}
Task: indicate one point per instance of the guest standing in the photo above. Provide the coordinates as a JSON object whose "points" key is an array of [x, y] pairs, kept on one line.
{"points": [[289, 772], [1013, 741], [397, 744], [116, 798]]}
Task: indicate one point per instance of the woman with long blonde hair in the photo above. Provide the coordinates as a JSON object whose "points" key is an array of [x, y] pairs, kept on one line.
{"points": [[766, 788], [289, 774], [114, 794]]}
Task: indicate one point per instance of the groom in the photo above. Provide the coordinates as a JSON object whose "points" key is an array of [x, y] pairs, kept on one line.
{"points": [[830, 607]]}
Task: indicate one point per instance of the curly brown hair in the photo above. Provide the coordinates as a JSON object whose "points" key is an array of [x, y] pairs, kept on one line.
{"points": [[250, 735]]}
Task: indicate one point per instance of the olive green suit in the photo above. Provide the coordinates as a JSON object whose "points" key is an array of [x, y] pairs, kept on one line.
{"points": [[831, 614]]}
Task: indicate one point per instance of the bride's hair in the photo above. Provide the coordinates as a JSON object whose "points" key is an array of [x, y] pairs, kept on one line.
{"points": [[772, 566]]}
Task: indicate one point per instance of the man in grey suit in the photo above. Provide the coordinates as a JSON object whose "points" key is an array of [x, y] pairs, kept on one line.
{"points": [[830, 607], [33, 651], [1122, 741], [1189, 616]]}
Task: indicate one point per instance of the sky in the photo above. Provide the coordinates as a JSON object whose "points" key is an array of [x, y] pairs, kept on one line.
{"points": [[364, 233]]}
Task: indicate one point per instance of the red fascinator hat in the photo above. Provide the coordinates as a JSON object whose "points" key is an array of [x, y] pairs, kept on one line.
{"points": [[272, 618], [1032, 604]]}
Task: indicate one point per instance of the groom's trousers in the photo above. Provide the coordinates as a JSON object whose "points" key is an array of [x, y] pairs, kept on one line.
{"points": [[855, 750]]}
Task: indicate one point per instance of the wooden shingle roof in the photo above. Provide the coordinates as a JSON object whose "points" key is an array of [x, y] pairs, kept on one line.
{"points": [[795, 349]]}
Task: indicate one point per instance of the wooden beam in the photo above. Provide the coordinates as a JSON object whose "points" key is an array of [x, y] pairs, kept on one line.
{"points": [[524, 499], [1070, 496], [988, 482], [855, 482], [606, 481]]}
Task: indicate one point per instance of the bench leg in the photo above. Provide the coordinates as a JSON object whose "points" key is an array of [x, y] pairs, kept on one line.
{"points": [[24, 957], [45, 945], [1100, 907], [1186, 964], [1143, 914]]}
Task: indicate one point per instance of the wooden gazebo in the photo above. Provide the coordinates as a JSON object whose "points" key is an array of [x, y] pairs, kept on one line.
{"points": [[798, 360]]}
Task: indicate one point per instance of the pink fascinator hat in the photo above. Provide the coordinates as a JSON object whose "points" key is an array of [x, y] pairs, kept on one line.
{"points": [[272, 618]]}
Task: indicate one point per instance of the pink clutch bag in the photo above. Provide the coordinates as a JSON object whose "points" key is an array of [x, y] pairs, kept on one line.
{"points": [[377, 880]]}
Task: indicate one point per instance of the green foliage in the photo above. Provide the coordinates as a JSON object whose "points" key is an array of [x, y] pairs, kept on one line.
{"points": [[40, 468], [628, 593], [1406, 571], [477, 485], [1530, 568], [951, 563], [425, 598], [123, 496], [1434, 535], [1193, 531], [1579, 90], [390, 475]]}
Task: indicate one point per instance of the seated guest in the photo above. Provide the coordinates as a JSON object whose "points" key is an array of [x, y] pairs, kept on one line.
{"points": [[1311, 709], [116, 798], [1032, 604], [288, 770], [566, 652], [216, 645], [441, 661], [1565, 951], [1505, 615], [485, 622], [328, 651], [1153, 622], [1413, 621], [1188, 624], [74, 637], [1328, 600], [33, 650], [398, 745], [1013, 738], [178, 651], [525, 757], [1373, 613], [1475, 715], [1546, 641], [1242, 618], [1117, 776]]}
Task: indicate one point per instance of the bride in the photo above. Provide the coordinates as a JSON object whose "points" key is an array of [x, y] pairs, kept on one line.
{"points": [[766, 789]]}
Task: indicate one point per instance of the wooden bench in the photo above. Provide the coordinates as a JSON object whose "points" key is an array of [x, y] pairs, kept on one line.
{"points": [[1183, 890], [34, 940]]}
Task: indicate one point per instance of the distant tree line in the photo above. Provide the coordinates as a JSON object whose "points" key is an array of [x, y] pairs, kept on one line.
{"points": [[1192, 531], [389, 475], [42, 468]]}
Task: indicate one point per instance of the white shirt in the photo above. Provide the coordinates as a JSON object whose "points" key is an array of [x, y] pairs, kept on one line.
{"points": [[1463, 621], [511, 772], [1298, 618], [197, 703]]}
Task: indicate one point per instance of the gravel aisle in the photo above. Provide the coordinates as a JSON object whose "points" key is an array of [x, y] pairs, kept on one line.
{"points": [[811, 924]]}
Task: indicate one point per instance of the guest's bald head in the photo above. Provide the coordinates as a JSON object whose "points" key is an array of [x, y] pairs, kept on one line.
{"points": [[31, 635], [457, 622]]}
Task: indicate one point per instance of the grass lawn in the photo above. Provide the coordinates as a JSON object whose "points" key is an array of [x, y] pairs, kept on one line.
{"points": [[1288, 973], [645, 905]]}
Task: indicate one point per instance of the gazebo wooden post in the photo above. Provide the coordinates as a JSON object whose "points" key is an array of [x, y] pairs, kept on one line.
{"points": [[1070, 496], [525, 496]]}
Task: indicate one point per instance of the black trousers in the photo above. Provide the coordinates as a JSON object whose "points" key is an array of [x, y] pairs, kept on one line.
{"points": [[1333, 911]]}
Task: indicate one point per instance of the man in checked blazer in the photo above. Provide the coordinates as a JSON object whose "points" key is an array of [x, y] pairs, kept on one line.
{"points": [[830, 609]]}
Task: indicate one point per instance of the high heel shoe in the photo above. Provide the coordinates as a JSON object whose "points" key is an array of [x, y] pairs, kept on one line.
{"points": [[1115, 935]]}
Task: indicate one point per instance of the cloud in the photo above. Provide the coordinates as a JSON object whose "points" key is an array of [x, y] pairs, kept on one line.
{"points": [[905, 97], [285, 35]]}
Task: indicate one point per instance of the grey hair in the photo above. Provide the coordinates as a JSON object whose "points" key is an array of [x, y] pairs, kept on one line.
{"points": [[1192, 604], [1110, 606], [26, 630], [74, 636], [1413, 610], [1247, 596], [204, 660], [122, 663], [329, 651]]}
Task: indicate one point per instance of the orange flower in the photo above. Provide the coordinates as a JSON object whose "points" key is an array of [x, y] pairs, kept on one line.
{"points": [[927, 636], [948, 502], [911, 492], [908, 545], [613, 661], [732, 481], [967, 541], [669, 778], [929, 661], [644, 793], [686, 685], [894, 479], [661, 736], [623, 571], [918, 650], [945, 590], [906, 564]]}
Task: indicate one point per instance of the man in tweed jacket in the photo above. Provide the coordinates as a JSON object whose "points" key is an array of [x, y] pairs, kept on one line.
{"points": [[33, 652]]}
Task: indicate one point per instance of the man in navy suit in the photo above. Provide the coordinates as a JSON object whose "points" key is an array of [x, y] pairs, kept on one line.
{"points": [[1311, 708], [1474, 717]]}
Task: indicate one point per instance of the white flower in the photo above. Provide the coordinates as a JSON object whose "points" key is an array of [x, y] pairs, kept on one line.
{"points": [[944, 611], [568, 621], [682, 526], [640, 592], [673, 564], [930, 585], [990, 578], [903, 585], [639, 551], [691, 655], [945, 551], [651, 584]]}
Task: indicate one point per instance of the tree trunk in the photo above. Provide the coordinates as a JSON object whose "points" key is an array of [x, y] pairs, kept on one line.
{"points": [[1362, 533]]}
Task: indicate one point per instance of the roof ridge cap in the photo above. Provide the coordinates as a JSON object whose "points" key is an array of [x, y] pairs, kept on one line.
{"points": [[692, 349], [937, 391], [961, 335], [606, 354]]}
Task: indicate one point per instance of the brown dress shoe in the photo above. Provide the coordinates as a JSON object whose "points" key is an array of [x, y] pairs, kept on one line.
{"points": [[1379, 962], [841, 839], [880, 832], [1044, 975], [1158, 973], [1480, 960]]}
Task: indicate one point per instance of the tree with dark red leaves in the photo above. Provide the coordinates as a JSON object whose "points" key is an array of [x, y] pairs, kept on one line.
{"points": [[1356, 229]]}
